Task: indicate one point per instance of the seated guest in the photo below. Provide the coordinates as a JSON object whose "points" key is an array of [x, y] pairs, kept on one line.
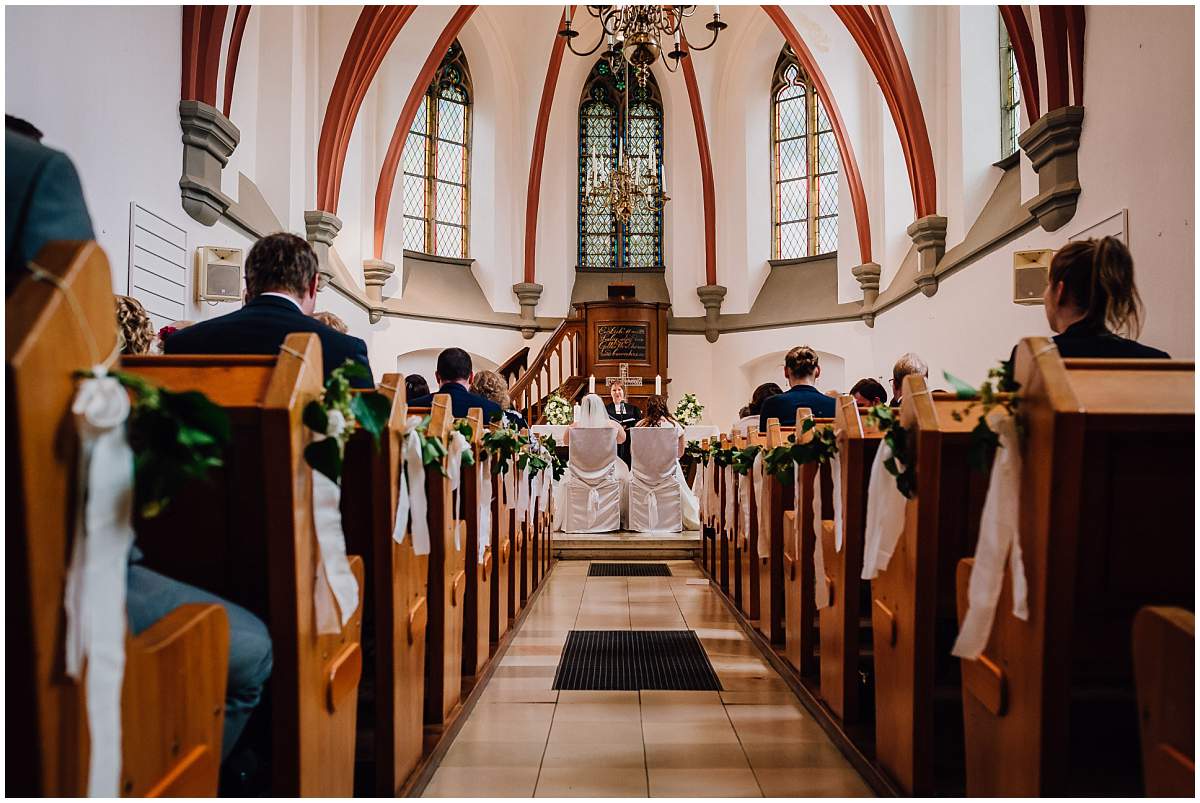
{"points": [[801, 368], [43, 200], [658, 414], [167, 331], [1090, 296], [908, 364], [332, 321], [454, 376], [490, 385], [415, 386], [623, 413], [593, 414], [868, 393], [137, 331], [281, 291], [749, 413]]}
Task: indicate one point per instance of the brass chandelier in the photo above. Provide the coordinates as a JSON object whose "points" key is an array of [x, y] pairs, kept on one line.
{"points": [[632, 185], [633, 33]]}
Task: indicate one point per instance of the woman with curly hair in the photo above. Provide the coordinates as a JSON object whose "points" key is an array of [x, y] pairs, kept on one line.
{"points": [[658, 414], [137, 330], [490, 385]]}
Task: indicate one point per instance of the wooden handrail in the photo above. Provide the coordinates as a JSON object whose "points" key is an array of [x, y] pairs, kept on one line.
{"points": [[538, 381], [512, 368]]}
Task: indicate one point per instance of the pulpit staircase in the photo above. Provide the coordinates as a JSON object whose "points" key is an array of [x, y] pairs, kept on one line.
{"points": [[557, 368]]}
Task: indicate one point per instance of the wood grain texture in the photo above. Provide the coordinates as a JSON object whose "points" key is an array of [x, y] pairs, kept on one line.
{"points": [[1164, 657]]}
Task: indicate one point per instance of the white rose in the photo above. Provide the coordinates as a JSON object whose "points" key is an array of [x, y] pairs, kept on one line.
{"points": [[100, 404], [336, 425]]}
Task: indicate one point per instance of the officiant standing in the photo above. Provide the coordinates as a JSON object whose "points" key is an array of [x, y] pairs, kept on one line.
{"points": [[623, 413]]}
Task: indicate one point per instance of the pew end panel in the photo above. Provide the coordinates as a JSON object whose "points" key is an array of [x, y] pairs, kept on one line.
{"points": [[477, 607], [1164, 656]]}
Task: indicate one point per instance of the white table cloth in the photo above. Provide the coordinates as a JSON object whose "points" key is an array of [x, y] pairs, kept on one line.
{"points": [[692, 433]]}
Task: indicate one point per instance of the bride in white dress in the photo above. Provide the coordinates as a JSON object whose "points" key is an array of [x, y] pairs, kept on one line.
{"points": [[592, 415], [658, 415]]}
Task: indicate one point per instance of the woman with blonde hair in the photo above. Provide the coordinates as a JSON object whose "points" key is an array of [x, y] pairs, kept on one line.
{"points": [[137, 330], [490, 385]]}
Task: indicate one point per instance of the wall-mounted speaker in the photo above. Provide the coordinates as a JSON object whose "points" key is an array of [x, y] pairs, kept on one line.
{"points": [[218, 274], [1031, 274]]}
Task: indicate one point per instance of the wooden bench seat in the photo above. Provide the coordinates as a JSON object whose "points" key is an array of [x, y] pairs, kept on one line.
{"points": [[1164, 662], [776, 499], [477, 613]]}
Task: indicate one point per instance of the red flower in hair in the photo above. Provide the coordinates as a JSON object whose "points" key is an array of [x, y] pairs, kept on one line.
{"points": [[166, 331]]}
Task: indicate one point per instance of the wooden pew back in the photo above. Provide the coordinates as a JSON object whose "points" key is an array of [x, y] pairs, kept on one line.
{"points": [[776, 499], [478, 603], [1164, 657]]}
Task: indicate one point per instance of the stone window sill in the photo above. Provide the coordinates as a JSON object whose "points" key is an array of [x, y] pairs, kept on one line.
{"points": [[787, 263], [421, 255]]}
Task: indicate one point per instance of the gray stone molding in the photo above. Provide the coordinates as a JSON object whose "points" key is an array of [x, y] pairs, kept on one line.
{"points": [[1052, 144], [711, 296], [209, 139], [376, 272], [929, 238], [528, 294], [320, 229], [868, 279]]}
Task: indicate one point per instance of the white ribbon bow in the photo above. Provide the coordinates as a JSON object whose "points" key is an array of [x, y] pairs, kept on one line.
{"points": [[412, 494], [820, 587], [999, 542], [334, 582], [94, 595], [523, 493], [458, 445], [885, 515], [730, 496], [484, 515], [698, 490]]}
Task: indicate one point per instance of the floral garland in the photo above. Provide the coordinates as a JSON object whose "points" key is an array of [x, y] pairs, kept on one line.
{"points": [[698, 452], [689, 410], [175, 438], [820, 448], [502, 445], [900, 465], [558, 410], [338, 414], [743, 459], [984, 441]]}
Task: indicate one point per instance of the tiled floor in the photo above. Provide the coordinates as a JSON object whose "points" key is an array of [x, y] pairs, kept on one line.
{"points": [[524, 739]]}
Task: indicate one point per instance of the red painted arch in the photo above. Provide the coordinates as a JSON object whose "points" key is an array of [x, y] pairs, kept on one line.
{"points": [[1026, 55], [1054, 52], [240, 16], [876, 36], [1076, 18], [391, 161], [534, 191], [858, 196], [373, 34], [203, 28], [707, 183]]}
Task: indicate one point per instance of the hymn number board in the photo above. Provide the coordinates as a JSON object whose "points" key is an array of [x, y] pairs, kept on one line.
{"points": [[625, 339]]}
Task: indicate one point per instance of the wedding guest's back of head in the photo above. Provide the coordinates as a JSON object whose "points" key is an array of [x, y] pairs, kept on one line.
{"points": [[869, 392], [332, 321], [22, 127], [761, 393], [657, 411], [1092, 281], [802, 365], [281, 263], [415, 386], [453, 365], [137, 330], [909, 363], [490, 385]]}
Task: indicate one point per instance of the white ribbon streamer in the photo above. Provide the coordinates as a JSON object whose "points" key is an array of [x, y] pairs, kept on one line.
{"points": [[820, 587], [95, 584], [835, 468], [652, 510], [698, 490], [412, 494], [885, 516], [593, 506], [510, 487], [744, 484], [999, 543], [523, 493], [334, 581], [458, 445], [730, 496], [484, 514]]}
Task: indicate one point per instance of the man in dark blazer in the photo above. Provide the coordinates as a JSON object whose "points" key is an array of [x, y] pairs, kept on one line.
{"points": [[624, 414], [43, 198], [281, 293], [454, 374], [801, 368]]}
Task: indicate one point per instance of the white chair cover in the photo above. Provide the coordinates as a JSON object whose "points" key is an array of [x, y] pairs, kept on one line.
{"points": [[593, 488], [654, 492]]}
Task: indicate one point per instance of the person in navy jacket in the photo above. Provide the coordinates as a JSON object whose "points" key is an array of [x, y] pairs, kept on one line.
{"points": [[801, 369], [454, 375], [281, 293]]}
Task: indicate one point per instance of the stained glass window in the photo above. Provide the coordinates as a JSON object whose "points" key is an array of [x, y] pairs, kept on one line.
{"points": [[805, 163], [436, 162], [1010, 95], [604, 242]]}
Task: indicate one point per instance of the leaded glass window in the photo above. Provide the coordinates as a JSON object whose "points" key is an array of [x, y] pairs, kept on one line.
{"points": [[604, 242], [805, 164], [1010, 95], [436, 161]]}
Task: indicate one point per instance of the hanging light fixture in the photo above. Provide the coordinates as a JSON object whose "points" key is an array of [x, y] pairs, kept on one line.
{"points": [[634, 184], [633, 33]]}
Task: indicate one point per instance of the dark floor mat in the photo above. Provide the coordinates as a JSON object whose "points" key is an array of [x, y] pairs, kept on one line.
{"points": [[633, 660], [629, 570]]}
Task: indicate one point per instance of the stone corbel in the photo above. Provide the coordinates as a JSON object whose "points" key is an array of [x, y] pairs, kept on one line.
{"points": [[320, 229], [528, 294], [209, 139], [711, 296], [929, 236], [868, 279], [376, 272], [1052, 144]]}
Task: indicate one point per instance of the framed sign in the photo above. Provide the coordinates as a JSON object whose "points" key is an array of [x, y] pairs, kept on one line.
{"points": [[622, 342]]}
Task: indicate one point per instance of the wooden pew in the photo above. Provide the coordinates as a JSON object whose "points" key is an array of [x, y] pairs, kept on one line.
{"points": [[1164, 662], [395, 609], [710, 523], [250, 537], [748, 538], [500, 612], [446, 582], [845, 648], [173, 693], [477, 612], [731, 576], [918, 728], [1108, 458], [777, 497]]}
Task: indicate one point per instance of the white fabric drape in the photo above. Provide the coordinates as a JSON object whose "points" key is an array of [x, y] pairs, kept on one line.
{"points": [[593, 490], [334, 582], [999, 543], [454, 453], [655, 493], [412, 494], [835, 469], [821, 588], [484, 513], [885, 515], [94, 596], [730, 497], [698, 490]]}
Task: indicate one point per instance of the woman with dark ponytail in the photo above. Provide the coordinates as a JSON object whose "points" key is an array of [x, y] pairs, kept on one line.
{"points": [[1091, 297]]}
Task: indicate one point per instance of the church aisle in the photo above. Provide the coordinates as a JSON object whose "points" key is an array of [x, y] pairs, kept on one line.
{"points": [[525, 739]]}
